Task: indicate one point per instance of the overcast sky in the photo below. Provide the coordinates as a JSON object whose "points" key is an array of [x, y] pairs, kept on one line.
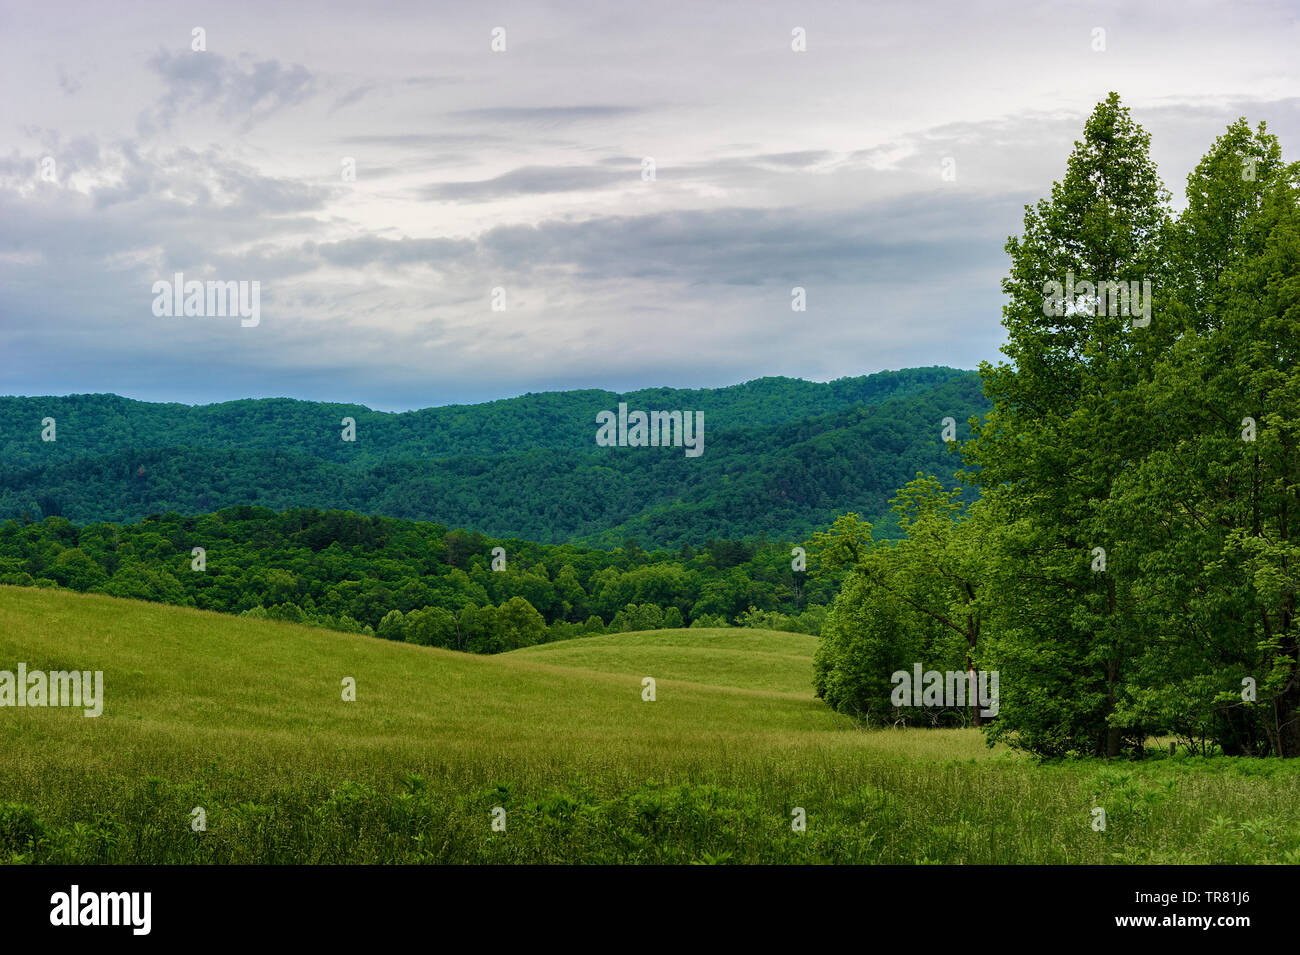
{"points": [[523, 169]]}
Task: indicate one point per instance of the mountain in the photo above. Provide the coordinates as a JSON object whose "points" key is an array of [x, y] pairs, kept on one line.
{"points": [[781, 458]]}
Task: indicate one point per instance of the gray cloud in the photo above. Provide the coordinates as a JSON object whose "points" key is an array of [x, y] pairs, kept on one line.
{"points": [[354, 95], [420, 140], [241, 89], [521, 171], [544, 115], [71, 85], [528, 180]]}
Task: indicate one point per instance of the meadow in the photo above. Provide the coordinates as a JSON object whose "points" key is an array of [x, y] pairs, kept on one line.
{"points": [[246, 719]]}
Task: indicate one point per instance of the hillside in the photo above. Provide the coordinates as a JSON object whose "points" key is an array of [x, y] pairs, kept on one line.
{"points": [[244, 719], [750, 659], [781, 458], [183, 685]]}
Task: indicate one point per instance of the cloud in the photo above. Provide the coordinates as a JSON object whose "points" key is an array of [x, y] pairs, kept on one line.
{"points": [[419, 140], [71, 85], [529, 180], [368, 251], [238, 89], [544, 115], [615, 171], [799, 160], [352, 96], [522, 170]]}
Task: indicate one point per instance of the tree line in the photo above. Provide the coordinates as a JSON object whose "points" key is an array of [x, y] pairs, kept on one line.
{"points": [[1131, 565], [413, 581]]}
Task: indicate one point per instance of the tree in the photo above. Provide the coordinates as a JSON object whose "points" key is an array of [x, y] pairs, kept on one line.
{"points": [[915, 601], [520, 623], [1213, 505], [431, 627], [1067, 420], [393, 626]]}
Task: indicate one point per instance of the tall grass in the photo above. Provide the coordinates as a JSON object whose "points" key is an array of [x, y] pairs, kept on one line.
{"points": [[246, 719]]}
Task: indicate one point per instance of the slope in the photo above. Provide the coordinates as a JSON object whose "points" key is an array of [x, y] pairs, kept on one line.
{"points": [[752, 659], [757, 476], [240, 725]]}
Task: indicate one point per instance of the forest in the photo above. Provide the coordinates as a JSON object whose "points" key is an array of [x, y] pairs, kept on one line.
{"points": [[412, 581], [784, 458]]}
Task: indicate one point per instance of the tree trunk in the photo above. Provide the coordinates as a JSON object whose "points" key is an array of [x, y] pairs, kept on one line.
{"points": [[1112, 732]]}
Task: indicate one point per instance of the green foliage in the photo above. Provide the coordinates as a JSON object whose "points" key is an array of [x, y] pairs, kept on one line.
{"points": [[782, 456], [907, 602], [408, 581], [1131, 567], [1135, 445]]}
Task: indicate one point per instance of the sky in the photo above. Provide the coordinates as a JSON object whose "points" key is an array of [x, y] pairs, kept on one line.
{"points": [[618, 195]]}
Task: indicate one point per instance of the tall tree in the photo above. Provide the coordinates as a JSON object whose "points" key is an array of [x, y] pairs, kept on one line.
{"points": [[1213, 505], [1065, 421]]}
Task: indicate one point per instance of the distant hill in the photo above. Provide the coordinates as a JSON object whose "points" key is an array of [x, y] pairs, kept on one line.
{"points": [[782, 457]]}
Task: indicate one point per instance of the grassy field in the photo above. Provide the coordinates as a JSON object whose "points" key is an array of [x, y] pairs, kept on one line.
{"points": [[246, 719], [741, 659]]}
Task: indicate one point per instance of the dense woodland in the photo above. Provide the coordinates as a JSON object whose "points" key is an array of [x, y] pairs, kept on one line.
{"points": [[1133, 563], [781, 458], [417, 582]]}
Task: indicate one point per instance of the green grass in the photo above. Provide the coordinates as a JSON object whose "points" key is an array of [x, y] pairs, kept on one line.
{"points": [[245, 718], [745, 659]]}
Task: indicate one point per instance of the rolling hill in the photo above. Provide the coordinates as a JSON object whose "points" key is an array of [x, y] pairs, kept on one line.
{"points": [[245, 721], [782, 458], [750, 659]]}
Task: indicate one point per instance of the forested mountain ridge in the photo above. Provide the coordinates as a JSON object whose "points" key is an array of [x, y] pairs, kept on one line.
{"points": [[782, 458], [560, 419]]}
